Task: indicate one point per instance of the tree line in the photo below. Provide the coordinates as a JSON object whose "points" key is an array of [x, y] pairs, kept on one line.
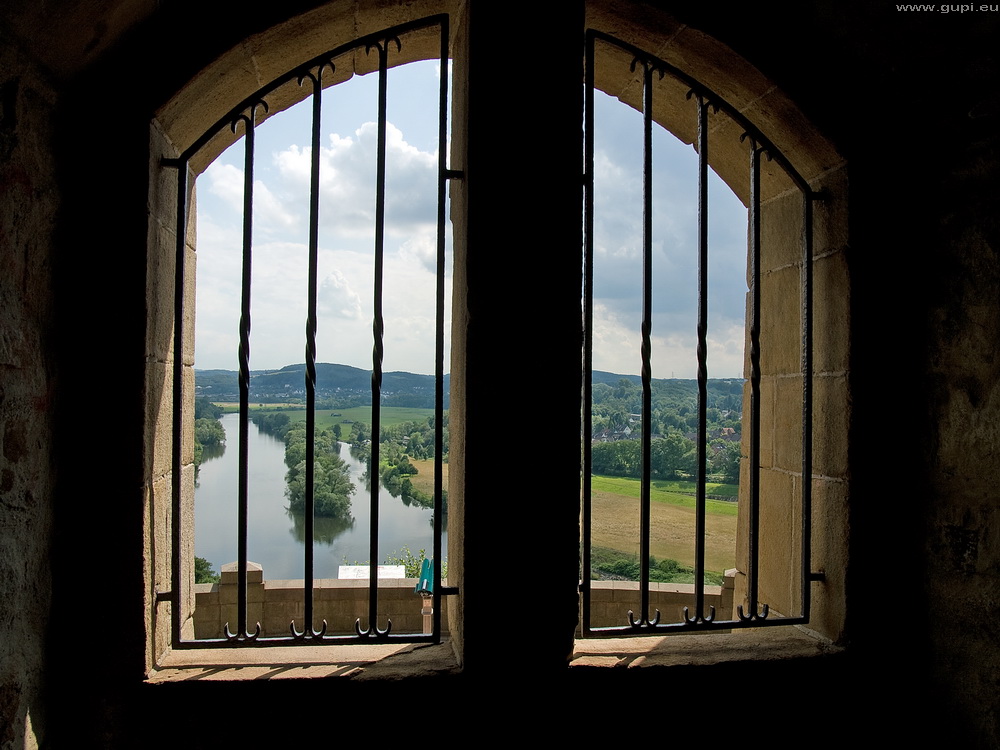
{"points": [[208, 430], [671, 457], [397, 445]]}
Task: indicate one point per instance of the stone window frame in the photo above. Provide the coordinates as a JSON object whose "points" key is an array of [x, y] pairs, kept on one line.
{"points": [[781, 383], [224, 82]]}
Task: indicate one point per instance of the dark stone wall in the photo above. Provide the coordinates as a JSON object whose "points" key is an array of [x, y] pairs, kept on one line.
{"points": [[908, 98], [29, 201]]}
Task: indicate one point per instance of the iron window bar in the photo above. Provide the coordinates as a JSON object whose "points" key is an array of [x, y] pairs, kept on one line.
{"points": [[246, 115], [756, 613]]}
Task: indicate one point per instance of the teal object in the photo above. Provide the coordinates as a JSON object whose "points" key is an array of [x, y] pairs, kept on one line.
{"points": [[425, 583]]}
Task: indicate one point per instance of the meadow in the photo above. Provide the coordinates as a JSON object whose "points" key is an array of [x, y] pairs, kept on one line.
{"points": [[615, 503]]}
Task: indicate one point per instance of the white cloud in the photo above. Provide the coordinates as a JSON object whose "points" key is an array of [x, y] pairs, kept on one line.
{"points": [[338, 298], [347, 181]]}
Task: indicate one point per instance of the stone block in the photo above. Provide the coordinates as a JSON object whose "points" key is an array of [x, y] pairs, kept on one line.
{"points": [[780, 322], [187, 416], [829, 555], [781, 231], [780, 533], [831, 314], [160, 265], [159, 503], [786, 422], [162, 200], [768, 394], [830, 214], [190, 303], [158, 435], [831, 422]]}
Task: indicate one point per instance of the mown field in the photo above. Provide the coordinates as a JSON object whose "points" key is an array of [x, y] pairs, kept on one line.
{"points": [[616, 520], [424, 479]]}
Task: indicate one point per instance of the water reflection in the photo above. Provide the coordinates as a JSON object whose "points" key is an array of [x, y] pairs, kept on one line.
{"points": [[325, 530], [276, 537]]}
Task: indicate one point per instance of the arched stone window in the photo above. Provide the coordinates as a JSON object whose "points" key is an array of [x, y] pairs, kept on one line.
{"points": [[500, 311], [796, 379]]}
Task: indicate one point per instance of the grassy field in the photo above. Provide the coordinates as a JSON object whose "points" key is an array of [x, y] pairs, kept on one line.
{"points": [[424, 480], [616, 520]]}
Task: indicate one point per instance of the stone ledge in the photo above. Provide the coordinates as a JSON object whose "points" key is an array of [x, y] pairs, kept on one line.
{"points": [[356, 662], [761, 644]]}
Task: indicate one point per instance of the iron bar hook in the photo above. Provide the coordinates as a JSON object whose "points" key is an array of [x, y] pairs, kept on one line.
{"points": [[643, 622], [762, 615], [370, 631], [308, 633], [699, 619], [242, 635]]}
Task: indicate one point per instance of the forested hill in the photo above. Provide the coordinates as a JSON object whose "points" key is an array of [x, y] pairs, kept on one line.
{"points": [[342, 386], [337, 386]]}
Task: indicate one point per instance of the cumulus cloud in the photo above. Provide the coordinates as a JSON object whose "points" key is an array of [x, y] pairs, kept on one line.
{"points": [[347, 181], [337, 297]]}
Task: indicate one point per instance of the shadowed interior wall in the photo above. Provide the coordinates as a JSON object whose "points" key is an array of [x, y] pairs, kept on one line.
{"points": [[908, 100]]}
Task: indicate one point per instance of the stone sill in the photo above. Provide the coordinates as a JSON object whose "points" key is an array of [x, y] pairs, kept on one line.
{"points": [[759, 644], [357, 662], [408, 660]]}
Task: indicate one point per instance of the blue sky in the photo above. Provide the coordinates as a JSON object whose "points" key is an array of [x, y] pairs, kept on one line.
{"points": [[346, 243]]}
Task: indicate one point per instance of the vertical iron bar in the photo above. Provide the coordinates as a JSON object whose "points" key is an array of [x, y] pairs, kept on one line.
{"points": [[754, 252], [176, 469], [310, 494], [378, 326], [244, 358], [588, 330], [647, 325], [439, 329], [699, 564], [807, 372]]}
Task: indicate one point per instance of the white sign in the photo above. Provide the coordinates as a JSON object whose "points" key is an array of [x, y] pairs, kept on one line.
{"points": [[363, 571]]}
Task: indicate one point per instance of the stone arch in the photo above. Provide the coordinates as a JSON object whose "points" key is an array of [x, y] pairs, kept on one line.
{"points": [[243, 69]]}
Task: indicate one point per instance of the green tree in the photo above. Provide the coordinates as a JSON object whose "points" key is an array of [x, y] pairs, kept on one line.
{"points": [[203, 572], [332, 486]]}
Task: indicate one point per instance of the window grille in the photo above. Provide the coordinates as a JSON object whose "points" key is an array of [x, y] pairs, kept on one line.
{"points": [[244, 118], [698, 616]]}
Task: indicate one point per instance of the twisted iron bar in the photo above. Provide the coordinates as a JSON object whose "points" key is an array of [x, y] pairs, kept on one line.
{"points": [[310, 376], [378, 333], [249, 118], [753, 551]]}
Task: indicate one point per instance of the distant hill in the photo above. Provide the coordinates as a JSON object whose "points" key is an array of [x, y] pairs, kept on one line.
{"points": [[343, 386], [339, 385]]}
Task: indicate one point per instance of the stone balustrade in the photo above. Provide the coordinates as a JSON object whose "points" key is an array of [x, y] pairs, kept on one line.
{"points": [[275, 604]]}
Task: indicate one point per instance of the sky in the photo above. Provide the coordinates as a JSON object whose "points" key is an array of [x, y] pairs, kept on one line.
{"points": [[346, 242]]}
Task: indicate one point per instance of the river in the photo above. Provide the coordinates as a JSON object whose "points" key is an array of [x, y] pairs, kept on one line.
{"points": [[275, 536]]}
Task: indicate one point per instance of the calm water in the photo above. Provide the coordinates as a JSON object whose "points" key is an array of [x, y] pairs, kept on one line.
{"points": [[276, 537]]}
